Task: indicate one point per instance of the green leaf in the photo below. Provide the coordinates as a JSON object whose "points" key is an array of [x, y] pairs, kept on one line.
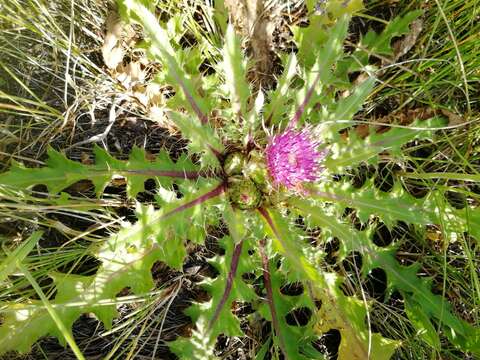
{"points": [[338, 311], [262, 353], [215, 317], [253, 118], [319, 31], [127, 258], [235, 73], [332, 50], [162, 51], [201, 139], [349, 106], [61, 172], [318, 75], [291, 339], [349, 152], [422, 324], [351, 240], [220, 14], [416, 291], [347, 314], [380, 43], [278, 104], [199, 346], [369, 201], [64, 332], [397, 205], [24, 323], [277, 228]]}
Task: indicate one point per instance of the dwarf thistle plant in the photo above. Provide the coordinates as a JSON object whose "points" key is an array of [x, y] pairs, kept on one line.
{"points": [[267, 168]]}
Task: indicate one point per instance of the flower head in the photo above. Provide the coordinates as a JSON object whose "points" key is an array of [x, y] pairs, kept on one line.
{"points": [[293, 158]]}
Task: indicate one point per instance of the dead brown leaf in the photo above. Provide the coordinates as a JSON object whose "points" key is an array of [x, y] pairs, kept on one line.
{"points": [[403, 45], [112, 50], [453, 119], [85, 159]]}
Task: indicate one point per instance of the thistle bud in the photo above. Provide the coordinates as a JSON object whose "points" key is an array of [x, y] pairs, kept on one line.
{"points": [[244, 193], [256, 170], [234, 164]]}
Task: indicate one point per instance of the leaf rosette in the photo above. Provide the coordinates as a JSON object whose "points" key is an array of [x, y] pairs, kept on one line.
{"points": [[262, 190]]}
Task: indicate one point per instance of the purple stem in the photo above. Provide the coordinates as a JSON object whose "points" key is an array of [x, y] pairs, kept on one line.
{"points": [[211, 194], [301, 108], [214, 151], [270, 300], [167, 173], [268, 219], [228, 286], [203, 118]]}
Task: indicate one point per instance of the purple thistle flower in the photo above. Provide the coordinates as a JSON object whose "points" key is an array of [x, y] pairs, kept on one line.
{"points": [[293, 158]]}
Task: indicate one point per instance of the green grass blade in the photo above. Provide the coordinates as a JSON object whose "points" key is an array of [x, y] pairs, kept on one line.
{"points": [[58, 321], [18, 255]]}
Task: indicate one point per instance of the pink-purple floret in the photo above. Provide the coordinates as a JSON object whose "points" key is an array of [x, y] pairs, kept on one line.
{"points": [[293, 158]]}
